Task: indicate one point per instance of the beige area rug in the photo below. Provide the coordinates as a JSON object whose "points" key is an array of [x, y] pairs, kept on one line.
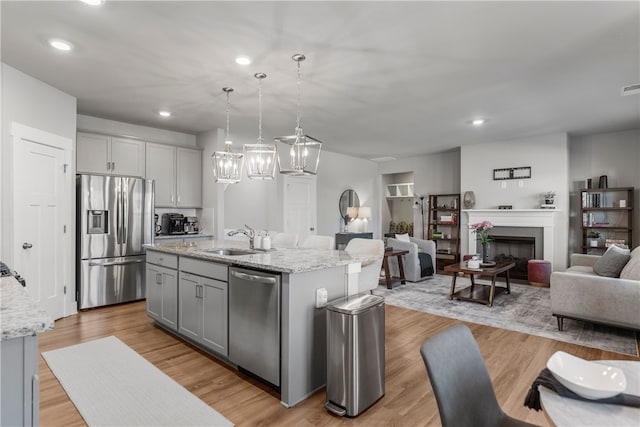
{"points": [[527, 309], [112, 385]]}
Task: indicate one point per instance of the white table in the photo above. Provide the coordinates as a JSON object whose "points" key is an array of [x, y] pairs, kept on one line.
{"points": [[564, 411]]}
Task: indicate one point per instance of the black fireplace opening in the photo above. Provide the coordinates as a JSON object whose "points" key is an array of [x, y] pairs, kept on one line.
{"points": [[517, 249]]}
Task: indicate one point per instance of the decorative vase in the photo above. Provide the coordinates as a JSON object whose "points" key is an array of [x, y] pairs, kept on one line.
{"points": [[485, 252], [469, 200]]}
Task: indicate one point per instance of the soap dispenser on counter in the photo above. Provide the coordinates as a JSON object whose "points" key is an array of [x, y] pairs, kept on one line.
{"points": [[266, 242]]}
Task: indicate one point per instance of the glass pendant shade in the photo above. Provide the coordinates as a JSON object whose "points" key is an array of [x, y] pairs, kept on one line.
{"points": [[298, 154], [227, 165], [260, 157]]}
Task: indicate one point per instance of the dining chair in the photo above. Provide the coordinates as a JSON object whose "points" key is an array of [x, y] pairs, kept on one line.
{"points": [[319, 242], [461, 382], [284, 240], [370, 273]]}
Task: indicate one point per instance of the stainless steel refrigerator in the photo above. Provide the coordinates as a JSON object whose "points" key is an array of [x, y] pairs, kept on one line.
{"points": [[115, 218]]}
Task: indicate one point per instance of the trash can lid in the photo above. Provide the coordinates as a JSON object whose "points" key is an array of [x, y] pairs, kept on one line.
{"points": [[355, 304]]}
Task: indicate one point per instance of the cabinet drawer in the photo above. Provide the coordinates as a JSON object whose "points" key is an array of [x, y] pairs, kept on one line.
{"points": [[161, 258], [210, 269]]}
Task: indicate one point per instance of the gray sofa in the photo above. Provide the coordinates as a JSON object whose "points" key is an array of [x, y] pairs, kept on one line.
{"points": [[580, 293], [411, 263]]}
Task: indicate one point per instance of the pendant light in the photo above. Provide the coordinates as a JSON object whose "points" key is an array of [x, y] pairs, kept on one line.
{"points": [[298, 154], [227, 165], [260, 157]]}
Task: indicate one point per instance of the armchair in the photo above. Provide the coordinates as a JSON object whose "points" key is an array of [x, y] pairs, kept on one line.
{"points": [[413, 269]]}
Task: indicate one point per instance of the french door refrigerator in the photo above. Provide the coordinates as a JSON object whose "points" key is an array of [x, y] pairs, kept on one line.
{"points": [[115, 218]]}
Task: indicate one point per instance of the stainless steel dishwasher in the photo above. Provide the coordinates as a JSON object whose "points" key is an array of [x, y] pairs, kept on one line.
{"points": [[254, 322]]}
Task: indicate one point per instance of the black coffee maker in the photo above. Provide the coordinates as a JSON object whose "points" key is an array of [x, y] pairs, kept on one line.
{"points": [[172, 223]]}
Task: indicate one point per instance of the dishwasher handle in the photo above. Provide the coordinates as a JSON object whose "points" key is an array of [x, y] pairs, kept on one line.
{"points": [[253, 277]]}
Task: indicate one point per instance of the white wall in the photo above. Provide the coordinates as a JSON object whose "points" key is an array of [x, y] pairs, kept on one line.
{"points": [[432, 174], [112, 127], [212, 214], [33, 103], [548, 156], [337, 173], [615, 154]]}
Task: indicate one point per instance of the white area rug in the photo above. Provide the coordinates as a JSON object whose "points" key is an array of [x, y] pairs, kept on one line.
{"points": [[527, 309], [112, 385]]}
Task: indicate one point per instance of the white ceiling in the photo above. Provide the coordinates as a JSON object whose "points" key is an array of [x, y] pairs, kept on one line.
{"points": [[381, 78]]}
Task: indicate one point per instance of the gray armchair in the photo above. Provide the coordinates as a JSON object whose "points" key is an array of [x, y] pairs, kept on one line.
{"points": [[412, 268]]}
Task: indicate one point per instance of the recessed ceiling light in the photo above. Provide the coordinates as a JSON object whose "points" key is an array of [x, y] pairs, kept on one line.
{"points": [[93, 2], [164, 113], [243, 60], [478, 122], [61, 44]]}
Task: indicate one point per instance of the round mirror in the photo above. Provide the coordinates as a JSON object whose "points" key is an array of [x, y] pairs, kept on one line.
{"points": [[349, 198]]}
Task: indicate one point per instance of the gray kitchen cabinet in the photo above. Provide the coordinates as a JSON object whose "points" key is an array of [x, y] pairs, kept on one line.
{"points": [[162, 289], [19, 381], [177, 172], [203, 304], [109, 155]]}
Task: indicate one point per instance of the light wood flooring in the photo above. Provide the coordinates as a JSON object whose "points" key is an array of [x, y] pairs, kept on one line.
{"points": [[513, 359]]}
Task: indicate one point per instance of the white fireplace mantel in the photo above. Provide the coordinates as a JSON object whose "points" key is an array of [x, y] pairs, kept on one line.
{"points": [[515, 218]]}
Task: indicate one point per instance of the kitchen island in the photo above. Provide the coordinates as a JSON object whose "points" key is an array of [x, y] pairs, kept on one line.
{"points": [[21, 318], [174, 270]]}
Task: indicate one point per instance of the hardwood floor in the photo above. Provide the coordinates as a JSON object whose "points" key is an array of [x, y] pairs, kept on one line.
{"points": [[513, 359]]}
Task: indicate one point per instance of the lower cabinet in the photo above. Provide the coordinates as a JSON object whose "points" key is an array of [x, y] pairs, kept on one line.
{"points": [[162, 294], [19, 381], [203, 311]]}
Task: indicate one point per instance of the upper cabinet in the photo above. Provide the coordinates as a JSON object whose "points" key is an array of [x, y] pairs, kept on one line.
{"points": [[177, 173], [110, 155]]}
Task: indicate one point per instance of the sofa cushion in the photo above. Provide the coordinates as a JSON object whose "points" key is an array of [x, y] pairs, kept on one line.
{"points": [[612, 262], [631, 271], [403, 237], [581, 269]]}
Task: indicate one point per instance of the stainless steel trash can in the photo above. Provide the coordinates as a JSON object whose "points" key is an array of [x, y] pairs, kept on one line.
{"points": [[355, 353]]}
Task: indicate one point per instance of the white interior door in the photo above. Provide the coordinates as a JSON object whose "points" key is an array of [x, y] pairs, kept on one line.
{"points": [[300, 205], [42, 205]]}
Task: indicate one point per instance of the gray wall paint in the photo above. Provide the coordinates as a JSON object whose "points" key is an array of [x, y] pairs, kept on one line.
{"points": [[337, 173], [432, 174], [615, 154], [548, 156], [149, 134], [33, 103]]}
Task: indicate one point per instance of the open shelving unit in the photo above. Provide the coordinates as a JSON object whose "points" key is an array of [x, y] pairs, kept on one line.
{"points": [[444, 228], [607, 212]]}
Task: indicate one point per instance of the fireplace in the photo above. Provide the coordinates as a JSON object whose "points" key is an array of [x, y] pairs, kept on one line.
{"points": [[520, 220], [517, 249]]}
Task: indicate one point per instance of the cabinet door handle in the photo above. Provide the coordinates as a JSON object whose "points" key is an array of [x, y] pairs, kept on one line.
{"points": [[158, 278], [178, 199], [108, 165], [201, 291], [113, 166]]}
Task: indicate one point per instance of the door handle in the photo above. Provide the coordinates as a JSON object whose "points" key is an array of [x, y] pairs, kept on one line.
{"points": [[27, 246], [108, 165], [113, 166], [110, 264], [312, 229], [253, 278], [158, 278]]}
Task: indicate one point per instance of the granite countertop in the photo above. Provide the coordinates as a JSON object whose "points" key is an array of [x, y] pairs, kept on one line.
{"points": [[20, 315], [295, 260]]}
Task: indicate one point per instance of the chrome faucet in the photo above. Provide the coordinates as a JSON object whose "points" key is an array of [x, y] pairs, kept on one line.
{"points": [[249, 232]]}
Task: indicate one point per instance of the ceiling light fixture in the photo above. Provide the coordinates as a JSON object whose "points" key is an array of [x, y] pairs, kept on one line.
{"points": [[260, 157], [243, 60], [227, 165], [164, 113], [61, 44], [93, 2], [478, 122], [298, 154]]}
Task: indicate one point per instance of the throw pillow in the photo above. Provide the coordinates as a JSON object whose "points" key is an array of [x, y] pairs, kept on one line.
{"points": [[403, 237], [612, 262], [631, 271]]}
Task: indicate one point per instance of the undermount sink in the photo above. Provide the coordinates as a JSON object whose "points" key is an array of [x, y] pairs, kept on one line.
{"points": [[229, 251]]}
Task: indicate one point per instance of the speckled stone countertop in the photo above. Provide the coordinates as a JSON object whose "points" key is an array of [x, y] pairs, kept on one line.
{"points": [[20, 315], [296, 260], [184, 236]]}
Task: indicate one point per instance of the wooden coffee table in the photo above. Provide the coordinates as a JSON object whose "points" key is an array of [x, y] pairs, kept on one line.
{"points": [[385, 266], [478, 292]]}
